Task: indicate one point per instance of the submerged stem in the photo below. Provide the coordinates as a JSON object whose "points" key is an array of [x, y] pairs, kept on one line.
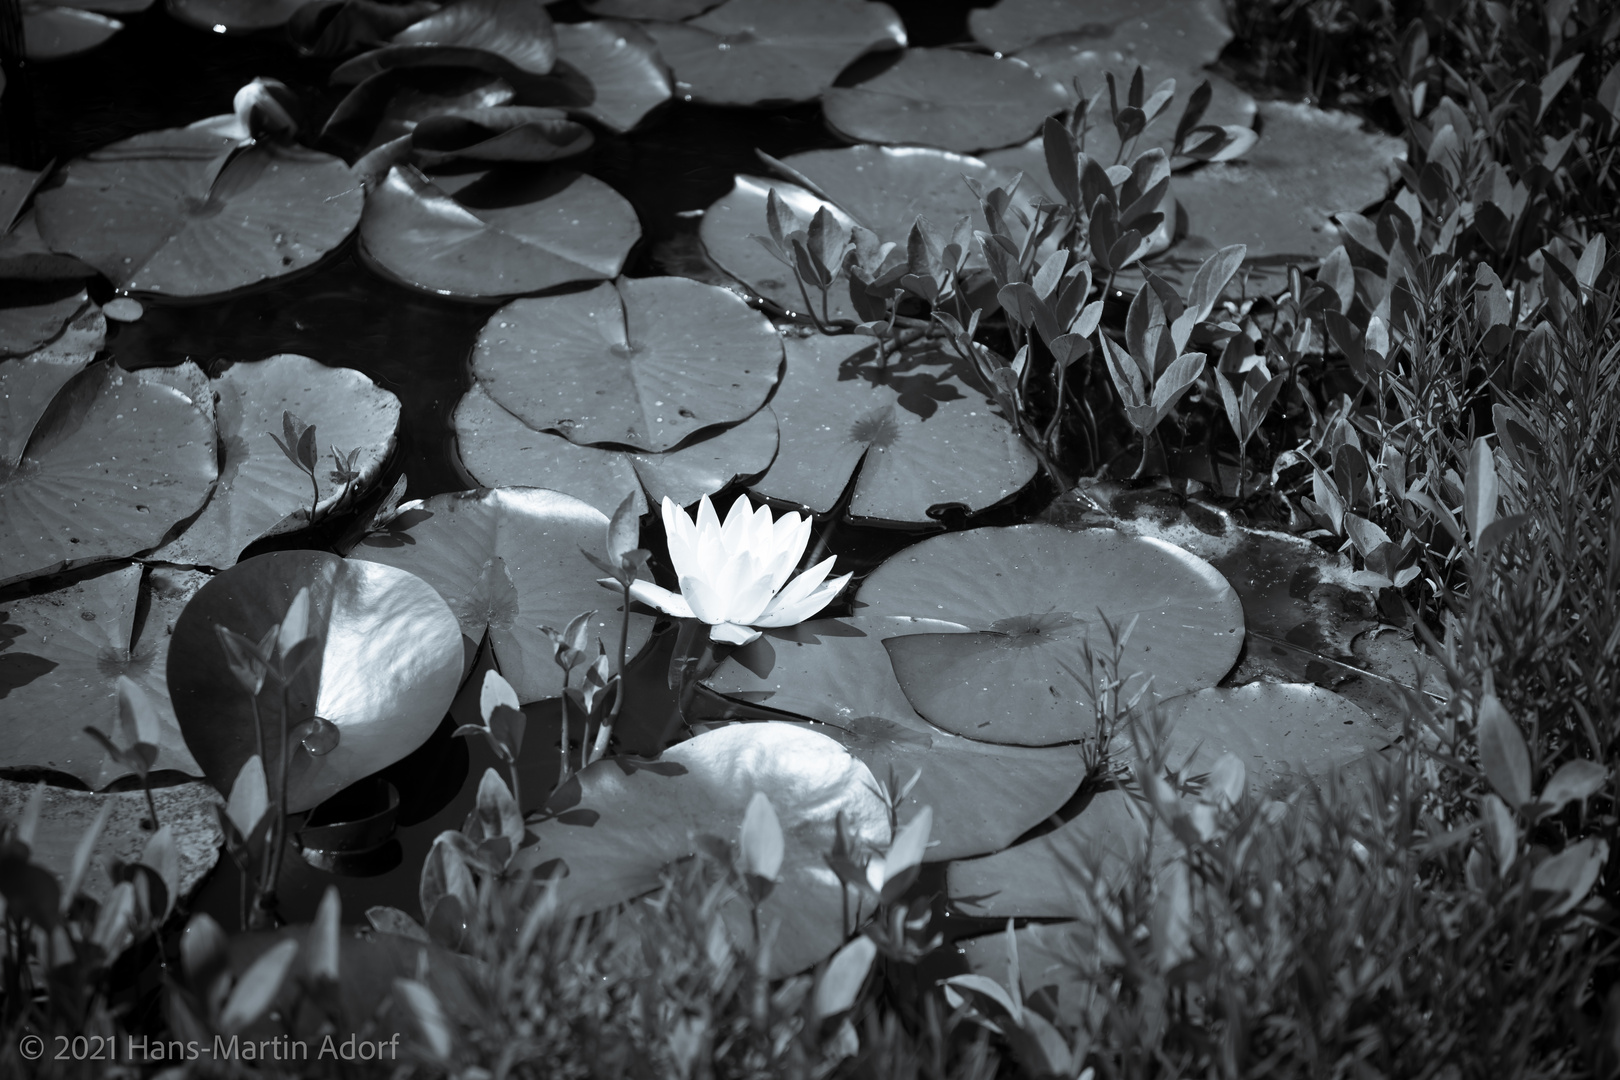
{"points": [[605, 732]]}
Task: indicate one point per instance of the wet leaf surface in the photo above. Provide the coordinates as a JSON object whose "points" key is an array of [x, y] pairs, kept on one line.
{"points": [[260, 491], [61, 654], [503, 36], [52, 33], [499, 450], [746, 52], [667, 10], [1196, 26], [623, 821], [610, 71], [1034, 595], [642, 362], [115, 461], [236, 16], [922, 433], [157, 213], [512, 231], [507, 561], [38, 319], [385, 677], [946, 98]]}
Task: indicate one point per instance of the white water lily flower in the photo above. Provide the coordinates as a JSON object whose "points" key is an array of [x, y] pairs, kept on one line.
{"points": [[732, 575]]}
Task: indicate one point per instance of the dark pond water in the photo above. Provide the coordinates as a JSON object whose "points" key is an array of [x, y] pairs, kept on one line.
{"points": [[157, 74]]}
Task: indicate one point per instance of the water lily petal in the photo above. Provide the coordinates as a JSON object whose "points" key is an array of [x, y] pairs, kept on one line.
{"points": [[705, 601], [798, 592], [709, 543], [790, 543], [787, 614], [738, 529], [681, 533], [655, 596], [752, 591], [733, 634], [762, 536]]}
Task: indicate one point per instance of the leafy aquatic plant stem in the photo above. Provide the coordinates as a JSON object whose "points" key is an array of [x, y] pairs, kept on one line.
{"points": [[605, 731]]}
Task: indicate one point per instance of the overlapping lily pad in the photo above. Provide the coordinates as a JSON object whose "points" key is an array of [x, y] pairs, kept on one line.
{"points": [[176, 212], [622, 821], [61, 654], [22, 253], [882, 188], [38, 319], [1034, 595], [65, 815], [499, 450], [641, 362], [1198, 26], [234, 16], [508, 562], [390, 104], [111, 462], [947, 98], [503, 36], [836, 671], [746, 52], [507, 232], [52, 31], [610, 71], [385, 677], [260, 490], [919, 428], [667, 10]]}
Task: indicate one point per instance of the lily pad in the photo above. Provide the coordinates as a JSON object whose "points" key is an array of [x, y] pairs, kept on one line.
{"points": [[110, 466], [511, 231], [261, 492], [622, 821], [922, 433], [1198, 26], [508, 562], [158, 213], [1043, 877], [65, 815], [27, 388], [947, 98], [643, 362], [25, 256], [52, 32], [1035, 594], [234, 16], [38, 319], [882, 188], [667, 10], [746, 52], [610, 71], [1308, 165], [514, 37], [836, 671], [390, 104], [499, 450], [385, 677], [63, 653]]}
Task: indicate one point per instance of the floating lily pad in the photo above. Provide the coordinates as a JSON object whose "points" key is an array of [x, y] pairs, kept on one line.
{"points": [[836, 671], [1033, 594], [391, 104], [261, 492], [499, 450], [610, 71], [508, 562], [667, 10], [385, 678], [115, 461], [63, 653], [642, 362], [65, 815], [52, 32], [1041, 878], [234, 16], [504, 36], [27, 325], [512, 231], [622, 821], [157, 213], [1308, 165], [24, 254], [746, 52], [27, 388], [918, 427], [947, 98], [882, 188], [1198, 26]]}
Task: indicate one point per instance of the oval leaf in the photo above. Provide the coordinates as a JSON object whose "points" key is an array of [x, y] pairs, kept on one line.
{"points": [[1502, 752]]}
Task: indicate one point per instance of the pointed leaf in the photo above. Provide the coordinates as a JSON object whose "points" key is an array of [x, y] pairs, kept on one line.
{"points": [[256, 990], [760, 842], [1502, 752], [840, 984]]}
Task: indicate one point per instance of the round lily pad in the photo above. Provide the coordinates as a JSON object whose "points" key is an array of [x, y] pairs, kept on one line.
{"points": [[512, 231], [882, 188], [610, 71], [667, 10], [183, 213], [28, 385], [745, 52], [642, 362], [499, 450], [621, 821], [115, 460], [504, 36], [508, 562], [947, 98], [1014, 24], [1035, 594], [922, 433], [1308, 165], [61, 655], [52, 32], [391, 104], [260, 490], [386, 674], [38, 316], [65, 815], [234, 16], [836, 671]]}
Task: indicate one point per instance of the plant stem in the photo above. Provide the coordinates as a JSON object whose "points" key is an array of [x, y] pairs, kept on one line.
{"points": [[151, 807], [605, 732]]}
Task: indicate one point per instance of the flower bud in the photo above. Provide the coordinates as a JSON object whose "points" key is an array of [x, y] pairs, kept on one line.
{"points": [[266, 108]]}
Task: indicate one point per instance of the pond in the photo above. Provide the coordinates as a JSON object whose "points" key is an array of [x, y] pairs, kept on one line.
{"points": [[977, 577]]}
